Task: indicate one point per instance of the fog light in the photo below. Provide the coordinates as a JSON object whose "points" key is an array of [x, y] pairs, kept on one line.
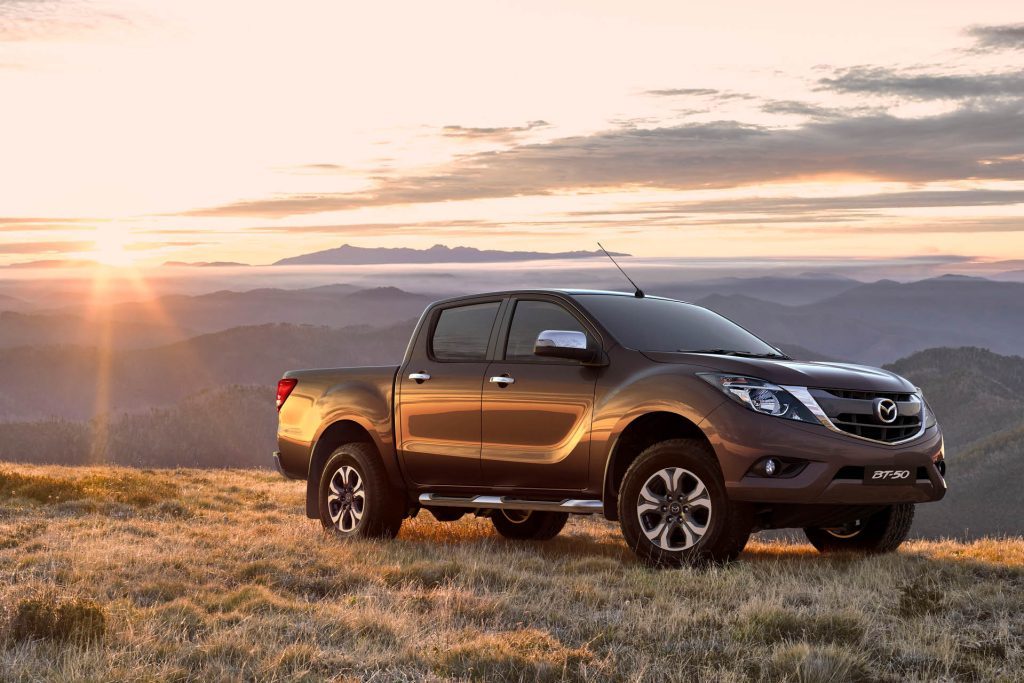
{"points": [[771, 466]]}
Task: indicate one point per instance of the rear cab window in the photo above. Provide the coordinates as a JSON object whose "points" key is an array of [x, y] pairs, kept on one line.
{"points": [[462, 333]]}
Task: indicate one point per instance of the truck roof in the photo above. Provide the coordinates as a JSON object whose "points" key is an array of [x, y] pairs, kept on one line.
{"points": [[548, 290]]}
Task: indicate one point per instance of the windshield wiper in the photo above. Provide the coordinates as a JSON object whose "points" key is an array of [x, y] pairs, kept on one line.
{"points": [[733, 352]]}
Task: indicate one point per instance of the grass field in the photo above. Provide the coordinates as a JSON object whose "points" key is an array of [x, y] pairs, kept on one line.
{"points": [[111, 574]]}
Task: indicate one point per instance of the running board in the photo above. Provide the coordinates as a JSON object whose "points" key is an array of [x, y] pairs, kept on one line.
{"points": [[573, 505]]}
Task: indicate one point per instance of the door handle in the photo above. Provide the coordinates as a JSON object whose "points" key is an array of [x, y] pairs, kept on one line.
{"points": [[420, 377], [503, 380]]}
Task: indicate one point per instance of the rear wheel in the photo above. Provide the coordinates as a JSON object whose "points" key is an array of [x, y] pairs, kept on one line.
{"points": [[673, 509], [882, 532], [356, 497], [528, 525]]}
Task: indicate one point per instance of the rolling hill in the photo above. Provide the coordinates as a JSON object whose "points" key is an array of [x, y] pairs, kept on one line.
{"points": [[71, 381], [331, 305], [41, 329]]}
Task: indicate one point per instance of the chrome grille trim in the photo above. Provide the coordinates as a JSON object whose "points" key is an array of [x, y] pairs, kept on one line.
{"points": [[804, 396]]}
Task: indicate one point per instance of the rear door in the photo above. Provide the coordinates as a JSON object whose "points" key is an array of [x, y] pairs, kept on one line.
{"points": [[536, 427], [439, 400]]}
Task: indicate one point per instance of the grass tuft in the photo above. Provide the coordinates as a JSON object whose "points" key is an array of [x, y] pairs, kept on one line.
{"points": [[527, 654], [919, 597], [47, 617], [805, 663]]}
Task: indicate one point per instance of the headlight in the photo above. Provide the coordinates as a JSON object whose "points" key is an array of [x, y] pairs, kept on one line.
{"points": [[927, 416], [760, 396]]}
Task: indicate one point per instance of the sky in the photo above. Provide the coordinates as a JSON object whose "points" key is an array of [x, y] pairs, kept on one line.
{"points": [[144, 132]]}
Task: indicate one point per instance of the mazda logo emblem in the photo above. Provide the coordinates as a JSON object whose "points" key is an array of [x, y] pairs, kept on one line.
{"points": [[886, 410]]}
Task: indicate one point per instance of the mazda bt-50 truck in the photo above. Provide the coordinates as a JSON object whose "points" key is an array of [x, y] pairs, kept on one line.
{"points": [[690, 431]]}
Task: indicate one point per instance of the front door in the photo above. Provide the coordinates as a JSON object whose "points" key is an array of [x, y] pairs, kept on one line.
{"points": [[537, 411], [439, 403]]}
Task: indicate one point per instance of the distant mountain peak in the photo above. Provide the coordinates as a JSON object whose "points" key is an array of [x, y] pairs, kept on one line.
{"points": [[350, 255]]}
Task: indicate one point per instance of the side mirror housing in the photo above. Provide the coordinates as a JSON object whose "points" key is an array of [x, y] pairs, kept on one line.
{"points": [[567, 344]]}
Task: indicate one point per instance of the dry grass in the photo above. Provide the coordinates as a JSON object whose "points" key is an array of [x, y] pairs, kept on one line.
{"points": [[110, 574]]}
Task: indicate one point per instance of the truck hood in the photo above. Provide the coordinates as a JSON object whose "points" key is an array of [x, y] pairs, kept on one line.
{"points": [[812, 374]]}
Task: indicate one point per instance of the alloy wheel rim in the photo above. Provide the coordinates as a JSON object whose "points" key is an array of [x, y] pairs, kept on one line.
{"points": [[674, 509], [346, 499], [847, 530], [516, 516]]}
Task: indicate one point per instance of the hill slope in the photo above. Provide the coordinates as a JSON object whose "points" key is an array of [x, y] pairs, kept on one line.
{"points": [[200, 575], [978, 398]]}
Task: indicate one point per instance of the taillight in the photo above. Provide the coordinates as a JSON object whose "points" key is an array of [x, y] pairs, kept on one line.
{"points": [[284, 388]]}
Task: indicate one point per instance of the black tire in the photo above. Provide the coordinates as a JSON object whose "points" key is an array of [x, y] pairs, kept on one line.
{"points": [[381, 506], [447, 514], [724, 526], [882, 532], [524, 525]]}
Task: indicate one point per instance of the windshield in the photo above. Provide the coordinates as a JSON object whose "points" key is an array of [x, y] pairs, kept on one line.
{"points": [[662, 325]]}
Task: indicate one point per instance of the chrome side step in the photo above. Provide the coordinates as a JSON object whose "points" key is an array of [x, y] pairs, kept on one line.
{"points": [[573, 505]]}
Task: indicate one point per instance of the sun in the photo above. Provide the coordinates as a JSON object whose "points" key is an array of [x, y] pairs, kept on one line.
{"points": [[111, 246]]}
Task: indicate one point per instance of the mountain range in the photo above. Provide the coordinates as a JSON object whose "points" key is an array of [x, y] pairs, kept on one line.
{"points": [[879, 322], [348, 255]]}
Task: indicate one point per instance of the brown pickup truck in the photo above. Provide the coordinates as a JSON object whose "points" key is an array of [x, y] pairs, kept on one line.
{"points": [[687, 429]]}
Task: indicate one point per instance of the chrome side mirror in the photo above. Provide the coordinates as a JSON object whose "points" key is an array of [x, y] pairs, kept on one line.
{"points": [[567, 344]]}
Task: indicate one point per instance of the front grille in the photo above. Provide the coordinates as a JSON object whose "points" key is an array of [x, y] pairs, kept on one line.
{"points": [[853, 412], [867, 426], [869, 395]]}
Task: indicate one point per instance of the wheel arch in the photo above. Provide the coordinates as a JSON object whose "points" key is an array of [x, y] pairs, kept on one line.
{"points": [[638, 434], [338, 433]]}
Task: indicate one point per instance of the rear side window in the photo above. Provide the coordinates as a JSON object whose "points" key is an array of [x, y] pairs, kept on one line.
{"points": [[462, 332], [530, 319]]}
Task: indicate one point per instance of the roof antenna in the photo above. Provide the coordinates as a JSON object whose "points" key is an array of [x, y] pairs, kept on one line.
{"points": [[639, 293]]}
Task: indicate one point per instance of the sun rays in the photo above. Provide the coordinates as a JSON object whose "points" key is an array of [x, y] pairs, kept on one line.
{"points": [[109, 286]]}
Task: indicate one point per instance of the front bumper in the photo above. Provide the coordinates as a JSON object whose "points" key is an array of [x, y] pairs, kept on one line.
{"points": [[835, 462]]}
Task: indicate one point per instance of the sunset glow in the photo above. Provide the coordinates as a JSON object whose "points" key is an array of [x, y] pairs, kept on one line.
{"points": [[110, 248], [148, 131]]}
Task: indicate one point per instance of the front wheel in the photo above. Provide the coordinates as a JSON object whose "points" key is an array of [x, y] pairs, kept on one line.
{"points": [[673, 508], [528, 525], [882, 532], [356, 498]]}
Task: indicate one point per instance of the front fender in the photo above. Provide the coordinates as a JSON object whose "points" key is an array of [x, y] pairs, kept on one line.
{"points": [[659, 389]]}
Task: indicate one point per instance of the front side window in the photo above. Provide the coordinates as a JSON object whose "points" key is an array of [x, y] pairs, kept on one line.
{"points": [[462, 332], [529, 320]]}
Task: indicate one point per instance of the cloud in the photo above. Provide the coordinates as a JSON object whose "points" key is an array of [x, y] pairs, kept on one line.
{"points": [[498, 133], [152, 246], [20, 224], [803, 206], [354, 228], [304, 169], [44, 247], [797, 108], [972, 142], [923, 86], [712, 93], [999, 37], [688, 92], [37, 20]]}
